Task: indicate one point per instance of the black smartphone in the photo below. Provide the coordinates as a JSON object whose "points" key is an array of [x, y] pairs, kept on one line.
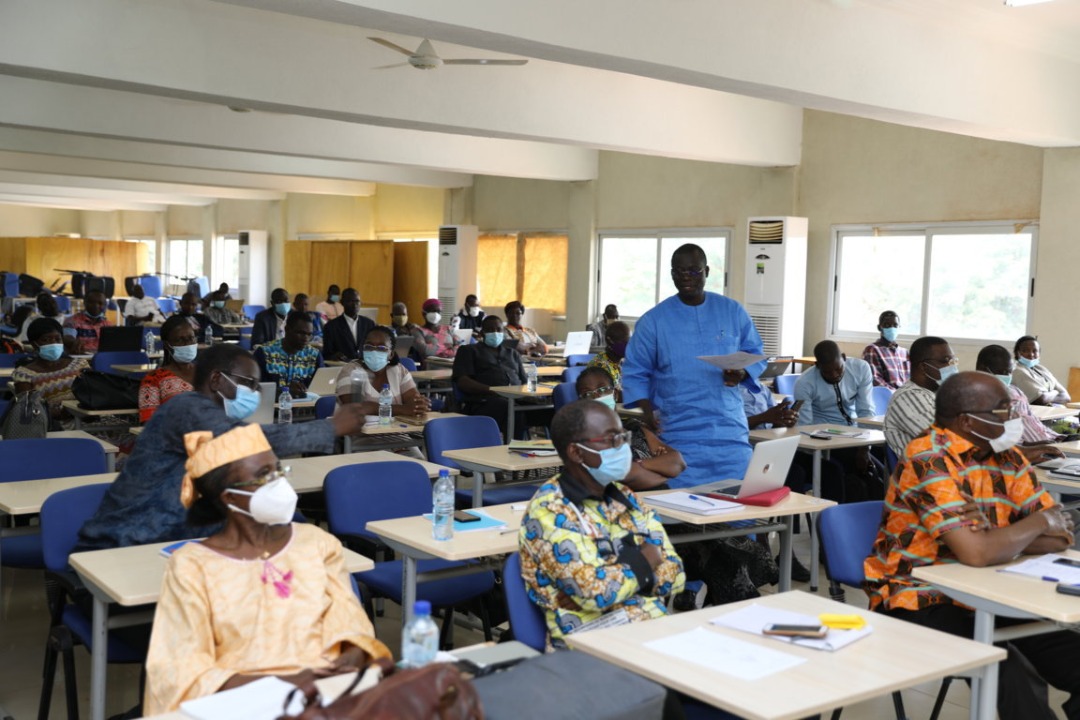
{"points": [[797, 406], [1066, 589], [1068, 561], [465, 517], [809, 631]]}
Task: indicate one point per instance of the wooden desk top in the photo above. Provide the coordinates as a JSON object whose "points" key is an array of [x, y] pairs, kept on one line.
{"points": [[432, 375], [308, 474], [826, 680], [1053, 483], [1053, 412], [415, 532], [543, 392], [874, 423], [499, 457], [27, 497], [396, 427], [793, 504], [1031, 595], [624, 411], [135, 369], [7, 372], [549, 371], [805, 360], [72, 406], [875, 437], [133, 575], [108, 447], [438, 362], [1071, 448]]}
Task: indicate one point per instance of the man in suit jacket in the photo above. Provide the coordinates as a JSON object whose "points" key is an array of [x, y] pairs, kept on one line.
{"points": [[269, 325], [343, 337]]}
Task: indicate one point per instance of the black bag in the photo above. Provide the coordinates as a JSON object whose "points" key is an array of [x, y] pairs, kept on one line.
{"points": [[101, 391], [27, 418]]}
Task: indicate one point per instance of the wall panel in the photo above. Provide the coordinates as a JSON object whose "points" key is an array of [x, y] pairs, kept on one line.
{"points": [[329, 266], [411, 277], [371, 271]]}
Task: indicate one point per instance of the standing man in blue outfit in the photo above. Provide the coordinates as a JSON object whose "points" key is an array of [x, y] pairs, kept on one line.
{"points": [[700, 406]]}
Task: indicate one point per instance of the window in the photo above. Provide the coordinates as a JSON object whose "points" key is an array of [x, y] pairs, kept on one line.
{"points": [[226, 261], [958, 281], [185, 258], [530, 267], [635, 268]]}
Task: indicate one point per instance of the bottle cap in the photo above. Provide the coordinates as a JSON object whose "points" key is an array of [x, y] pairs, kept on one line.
{"points": [[422, 607], [444, 473], [386, 386]]}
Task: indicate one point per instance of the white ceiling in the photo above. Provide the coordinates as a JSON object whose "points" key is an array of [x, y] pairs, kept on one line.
{"points": [[127, 101]]}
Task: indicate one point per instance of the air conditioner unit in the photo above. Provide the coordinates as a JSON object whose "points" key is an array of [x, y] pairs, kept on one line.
{"points": [[254, 270], [776, 282], [457, 265]]}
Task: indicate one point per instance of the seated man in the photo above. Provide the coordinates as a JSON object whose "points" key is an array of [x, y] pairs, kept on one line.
{"points": [[529, 341], [911, 409], [189, 308], [600, 327], [965, 495], [590, 548], [269, 324], [82, 330], [611, 357], [836, 390], [483, 365], [141, 309], [888, 360], [344, 335], [290, 362], [218, 313], [471, 316]]}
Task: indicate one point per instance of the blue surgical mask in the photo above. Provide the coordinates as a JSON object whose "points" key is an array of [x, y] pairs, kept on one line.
{"points": [[614, 463], [376, 360], [890, 333], [185, 353], [608, 400], [282, 309], [217, 303], [1028, 362], [244, 404], [51, 352], [944, 373], [1007, 379], [494, 339], [335, 298]]}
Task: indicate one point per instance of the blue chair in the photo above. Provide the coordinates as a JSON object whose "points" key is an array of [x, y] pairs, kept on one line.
{"points": [[10, 360], [575, 360], [408, 363], [564, 394], [473, 431], [199, 285], [36, 460], [785, 384], [362, 493], [63, 303], [325, 406], [167, 305], [891, 461], [570, 374], [151, 285], [881, 396], [526, 618], [103, 361], [62, 515], [250, 311]]}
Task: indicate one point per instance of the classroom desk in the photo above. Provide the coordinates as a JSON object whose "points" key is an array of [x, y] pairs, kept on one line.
{"points": [[819, 449], [80, 414], [6, 372], [135, 370], [111, 451], [435, 362], [430, 376], [396, 434], [490, 460], [625, 412], [129, 577], [1049, 413], [992, 593], [826, 680], [513, 393], [807, 360], [873, 423]]}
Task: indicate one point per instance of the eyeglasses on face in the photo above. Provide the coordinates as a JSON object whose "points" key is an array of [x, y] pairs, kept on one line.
{"points": [[264, 478], [1001, 414], [248, 382], [377, 348], [614, 440], [693, 272], [597, 393]]}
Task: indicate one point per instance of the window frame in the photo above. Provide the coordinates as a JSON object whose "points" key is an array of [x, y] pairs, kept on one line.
{"points": [[663, 265], [929, 230], [167, 266]]}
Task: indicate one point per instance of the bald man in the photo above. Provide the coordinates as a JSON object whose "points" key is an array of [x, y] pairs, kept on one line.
{"points": [[964, 494]]}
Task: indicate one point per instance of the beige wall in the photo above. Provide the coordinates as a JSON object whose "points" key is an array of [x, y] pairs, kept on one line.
{"points": [[25, 221]]}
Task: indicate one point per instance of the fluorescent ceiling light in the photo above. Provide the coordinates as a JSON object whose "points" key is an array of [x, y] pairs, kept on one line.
{"points": [[1021, 3]]}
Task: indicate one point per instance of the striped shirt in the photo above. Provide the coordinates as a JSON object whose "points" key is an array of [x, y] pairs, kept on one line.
{"points": [[924, 503], [911, 411], [889, 362], [283, 367], [1034, 430]]}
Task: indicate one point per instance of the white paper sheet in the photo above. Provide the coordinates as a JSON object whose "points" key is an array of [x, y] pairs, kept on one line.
{"points": [[734, 361], [724, 654], [754, 619], [260, 700], [1046, 568]]}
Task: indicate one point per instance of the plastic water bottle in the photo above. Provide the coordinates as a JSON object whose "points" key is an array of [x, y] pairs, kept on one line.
{"points": [[208, 335], [442, 507], [386, 405], [420, 638], [531, 374], [284, 412], [148, 341]]}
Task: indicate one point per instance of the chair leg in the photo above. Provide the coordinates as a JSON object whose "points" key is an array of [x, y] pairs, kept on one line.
{"points": [[48, 677], [71, 694], [836, 713], [446, 633], [485, 618], [836, 591], [898, 703], [940, 701]]}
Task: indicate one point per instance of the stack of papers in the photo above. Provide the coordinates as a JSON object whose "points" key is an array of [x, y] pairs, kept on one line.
{"points": [[538, 448], [829, 433], [486, 522], [1051, 568], [755, 618], [265, 699], [1066, 470], [688, 502], [724, 654]]}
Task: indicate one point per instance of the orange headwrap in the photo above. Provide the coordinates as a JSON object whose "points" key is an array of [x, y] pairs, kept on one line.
{"points": [[206, 453]]}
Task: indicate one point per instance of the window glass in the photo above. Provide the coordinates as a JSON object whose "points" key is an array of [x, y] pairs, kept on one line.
{"points": [[876, 274]]}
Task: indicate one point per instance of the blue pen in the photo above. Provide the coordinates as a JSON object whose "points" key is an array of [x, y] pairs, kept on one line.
{"points": [[701, 499], [1047, 578]]}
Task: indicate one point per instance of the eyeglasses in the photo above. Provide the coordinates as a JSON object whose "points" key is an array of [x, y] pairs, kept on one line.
{"points": [[687, 272], [377, 348], [947, 362], [598, 392], [1010, 413], [248, 382], [278, 472], [614, 440]]}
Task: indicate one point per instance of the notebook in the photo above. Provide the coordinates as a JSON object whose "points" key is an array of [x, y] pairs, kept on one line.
{"points": [[691, 502], [767, 471]]}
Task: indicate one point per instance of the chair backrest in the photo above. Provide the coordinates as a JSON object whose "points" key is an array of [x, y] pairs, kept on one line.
{"points": [[63, 303], [564, 394], [882, 396], [324, 406], [891, 461], [458, 433], [575, 360], [358, 494], [785, 384], [103, 361], [250, 311], [526, 619], [62, 516], [847, 534], [570, 374], [8, 360], [167, 305], [408, 363], [151, 285], [41, 458]]}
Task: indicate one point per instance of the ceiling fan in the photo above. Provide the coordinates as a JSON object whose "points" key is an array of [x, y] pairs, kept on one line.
{"points": [[425, 57]]}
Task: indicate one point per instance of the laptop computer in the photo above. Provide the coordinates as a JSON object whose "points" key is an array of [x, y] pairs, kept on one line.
{"points": [[264, 415], [577, 343], [767, 471], [403, 344], [777, 365], [121, 339], [464, 336], [325, 381]]}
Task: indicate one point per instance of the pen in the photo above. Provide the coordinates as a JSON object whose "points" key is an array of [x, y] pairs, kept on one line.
{"points": [[701, 499], [1047, 578], [507, 531]]}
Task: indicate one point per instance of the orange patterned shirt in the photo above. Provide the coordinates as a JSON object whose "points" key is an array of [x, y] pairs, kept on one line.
{"points": [[924, 502]]}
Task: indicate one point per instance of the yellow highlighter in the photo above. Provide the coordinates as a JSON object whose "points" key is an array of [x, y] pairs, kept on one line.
{"points": [[842, 622]]}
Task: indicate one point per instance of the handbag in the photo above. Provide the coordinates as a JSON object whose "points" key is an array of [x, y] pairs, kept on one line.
{"points": [[433, 692], [27, 418], [96, 390]]}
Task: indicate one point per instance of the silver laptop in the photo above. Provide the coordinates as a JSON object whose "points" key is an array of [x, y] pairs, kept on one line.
{"points": [[767, 471], [578, 343], [403, 344], [265, 414], [325, 381]]}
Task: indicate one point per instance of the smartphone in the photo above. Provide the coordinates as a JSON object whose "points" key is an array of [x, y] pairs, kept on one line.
{"points": [[808, 631], [465, 517], [1066, 589], [1068, 561], [797, 406]]}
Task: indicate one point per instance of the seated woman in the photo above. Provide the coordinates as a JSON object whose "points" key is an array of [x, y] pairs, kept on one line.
{"points": [[264, 596], [732, 568], [177, 371], [529, 341], [52, 372], [1034, 380], [433, 339]]}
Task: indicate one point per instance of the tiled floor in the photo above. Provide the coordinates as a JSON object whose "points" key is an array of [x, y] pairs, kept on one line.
{"points": [[24, 624]]}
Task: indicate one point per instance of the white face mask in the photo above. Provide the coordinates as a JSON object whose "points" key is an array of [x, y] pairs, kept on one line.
{"points": [[272, 504], [433, 317], [1014, 430], [474, 311]]}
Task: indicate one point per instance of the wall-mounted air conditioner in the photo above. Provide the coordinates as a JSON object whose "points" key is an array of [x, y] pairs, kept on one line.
{"points": [[776, 282], [457, 265], [254, 268]]}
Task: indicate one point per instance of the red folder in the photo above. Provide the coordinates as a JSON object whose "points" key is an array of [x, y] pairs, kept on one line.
{"points": [[765, 499]]}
